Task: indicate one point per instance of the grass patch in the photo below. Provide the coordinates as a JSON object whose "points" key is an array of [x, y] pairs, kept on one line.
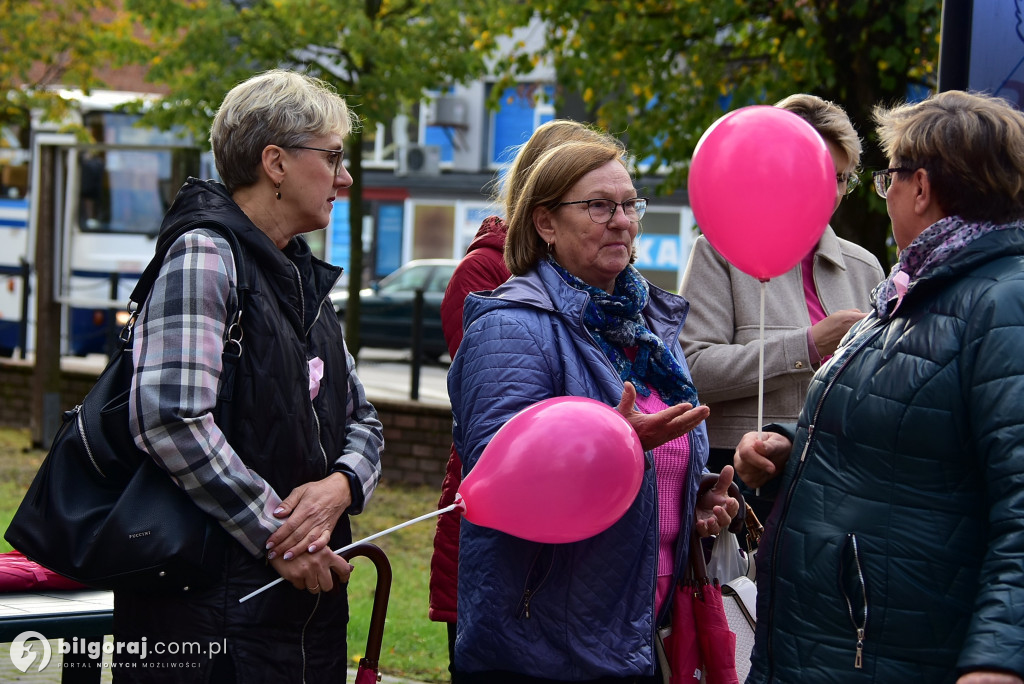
{"points": [[18, 464], [414, 647]]}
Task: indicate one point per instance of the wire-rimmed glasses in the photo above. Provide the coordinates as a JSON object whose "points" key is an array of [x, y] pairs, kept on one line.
{"points": [[602, 210], [883, 179]]}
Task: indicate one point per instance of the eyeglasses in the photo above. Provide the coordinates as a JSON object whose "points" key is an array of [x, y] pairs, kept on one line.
{"points": [[850, 180], [883, 179], [602, 210], [334, 157]]}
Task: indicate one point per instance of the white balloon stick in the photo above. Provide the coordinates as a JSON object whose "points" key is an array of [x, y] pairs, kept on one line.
{"points": [[760, 374], [448, 509]]}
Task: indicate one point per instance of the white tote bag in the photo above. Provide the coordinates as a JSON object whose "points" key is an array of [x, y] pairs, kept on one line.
{"points": [[731, 566]]}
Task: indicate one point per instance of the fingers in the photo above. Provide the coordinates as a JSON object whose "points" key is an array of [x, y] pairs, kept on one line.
{"points": [[320, 542], [989, 677], [706, 527], [308, 542], [334, 573], [689, 418], [314, 572], [312, 511], [289, 503], [724, 480], [627, 403], [751, 461]]}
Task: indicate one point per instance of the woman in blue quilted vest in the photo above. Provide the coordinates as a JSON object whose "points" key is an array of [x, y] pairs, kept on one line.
{"points": [[577, 319], [895, 550]]}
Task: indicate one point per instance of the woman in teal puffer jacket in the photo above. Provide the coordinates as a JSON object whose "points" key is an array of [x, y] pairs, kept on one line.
{"points": [[895, 551]]}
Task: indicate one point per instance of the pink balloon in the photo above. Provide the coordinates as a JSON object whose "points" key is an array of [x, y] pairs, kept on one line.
{"points": [[561, 470], [762, 188]]}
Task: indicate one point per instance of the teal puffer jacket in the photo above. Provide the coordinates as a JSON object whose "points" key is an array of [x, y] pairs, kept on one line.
{"points": [[574, 611], [895, 551]]}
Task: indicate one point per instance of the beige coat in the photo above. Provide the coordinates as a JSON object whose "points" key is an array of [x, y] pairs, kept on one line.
{"points": [[721, 337]]}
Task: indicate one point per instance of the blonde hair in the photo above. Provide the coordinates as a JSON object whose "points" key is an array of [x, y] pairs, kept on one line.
{"points": [[276, 107], [553, 174], [546, 136], [830, 120], [971, 145]]}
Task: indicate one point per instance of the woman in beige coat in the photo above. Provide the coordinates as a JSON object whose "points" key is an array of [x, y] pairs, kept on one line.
{"points": [[807, 310]]}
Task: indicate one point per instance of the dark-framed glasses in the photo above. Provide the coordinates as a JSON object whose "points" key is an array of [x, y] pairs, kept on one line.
{"points": [[846, 182], [602, 210], [883, 179], [334, 157]]}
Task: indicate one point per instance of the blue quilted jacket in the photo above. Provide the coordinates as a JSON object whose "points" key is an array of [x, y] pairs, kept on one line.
{"points": [[562, 611], [897, 540]]}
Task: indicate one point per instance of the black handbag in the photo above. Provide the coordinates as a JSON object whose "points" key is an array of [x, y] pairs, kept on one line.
{"points": [[100, 510]]}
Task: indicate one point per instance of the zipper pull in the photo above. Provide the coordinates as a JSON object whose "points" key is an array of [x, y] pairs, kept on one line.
{"points": [[526, 604], [810, 433], [858, 661]]}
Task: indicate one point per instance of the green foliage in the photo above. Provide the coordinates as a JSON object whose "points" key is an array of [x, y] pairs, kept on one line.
{"points": [[413, 646], [381, 55], [46, 44], [659, 72]]}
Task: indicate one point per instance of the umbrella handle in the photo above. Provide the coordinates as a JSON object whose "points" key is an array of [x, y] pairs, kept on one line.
{"points": [[369, 663]]}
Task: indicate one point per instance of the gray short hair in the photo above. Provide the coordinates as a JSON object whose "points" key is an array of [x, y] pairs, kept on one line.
{"points": [[276, 107]]}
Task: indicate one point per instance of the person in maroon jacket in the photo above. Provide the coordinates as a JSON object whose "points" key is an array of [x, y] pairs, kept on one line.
{"points": [[481, 269]]}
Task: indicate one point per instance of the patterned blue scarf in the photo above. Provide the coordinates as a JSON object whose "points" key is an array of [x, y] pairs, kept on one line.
{"points": [[616, 321], [932, 248]]}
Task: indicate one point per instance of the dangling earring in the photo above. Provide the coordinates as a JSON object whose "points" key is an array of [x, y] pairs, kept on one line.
{"points": [[278, 186], [549, 247]]}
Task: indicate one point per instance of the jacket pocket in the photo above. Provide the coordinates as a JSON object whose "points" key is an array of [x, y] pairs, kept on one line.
{"points": [[536, 576], [854, 589]]}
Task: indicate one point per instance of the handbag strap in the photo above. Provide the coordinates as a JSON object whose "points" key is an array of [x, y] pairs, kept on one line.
{"points": [[233, 344], [152, 270], [754, 528], [163, 245]]}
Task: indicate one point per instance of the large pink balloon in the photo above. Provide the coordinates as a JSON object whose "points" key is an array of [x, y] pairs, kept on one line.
{"points": [[762, 188], [561, 470]]}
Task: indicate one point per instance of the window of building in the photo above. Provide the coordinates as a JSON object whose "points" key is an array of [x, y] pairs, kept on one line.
{"points": [[523, 109]]}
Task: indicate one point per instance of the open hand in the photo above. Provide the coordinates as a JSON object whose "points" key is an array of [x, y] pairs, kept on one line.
{"points": [[715, 508], [655, 429]]}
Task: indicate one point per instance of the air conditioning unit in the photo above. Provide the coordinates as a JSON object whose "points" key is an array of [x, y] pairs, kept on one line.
{"points": [[418, 160]]}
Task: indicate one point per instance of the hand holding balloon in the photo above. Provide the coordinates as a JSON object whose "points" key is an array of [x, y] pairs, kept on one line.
{"points": [[561, 470], [661, 427]]}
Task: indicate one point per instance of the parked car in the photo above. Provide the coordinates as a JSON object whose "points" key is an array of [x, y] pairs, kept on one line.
{"points": [[386, 308]]}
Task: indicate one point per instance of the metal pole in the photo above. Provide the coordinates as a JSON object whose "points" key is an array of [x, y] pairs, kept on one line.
{"points": [[955, 44], [417, 345], [46, 378], [26, 291], [113, 330]]}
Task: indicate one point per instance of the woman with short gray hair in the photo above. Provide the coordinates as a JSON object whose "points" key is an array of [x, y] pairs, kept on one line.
{"points": [[299, 450]]}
